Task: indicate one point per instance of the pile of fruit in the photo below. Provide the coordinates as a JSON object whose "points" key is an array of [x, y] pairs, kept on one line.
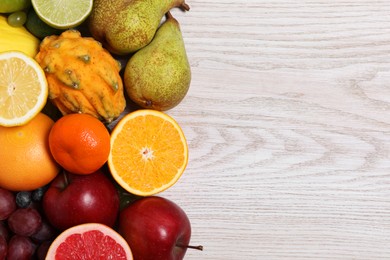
{"points": [[80, 168]]}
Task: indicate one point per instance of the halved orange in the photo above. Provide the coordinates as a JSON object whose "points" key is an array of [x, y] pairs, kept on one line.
{"points": [[149, 152]]}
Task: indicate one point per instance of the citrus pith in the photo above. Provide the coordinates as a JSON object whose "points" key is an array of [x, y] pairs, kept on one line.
{"points": [[149, 152]]}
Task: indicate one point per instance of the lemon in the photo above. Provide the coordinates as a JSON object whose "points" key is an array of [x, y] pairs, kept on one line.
{"points": [[62, 14], [23, 88]]}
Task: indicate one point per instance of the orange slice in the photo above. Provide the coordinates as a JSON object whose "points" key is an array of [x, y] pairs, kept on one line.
{"points": [[149, 152]]}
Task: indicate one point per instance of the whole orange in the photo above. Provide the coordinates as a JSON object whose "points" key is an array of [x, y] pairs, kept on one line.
{"points": [[80, 143], [25, 159]]}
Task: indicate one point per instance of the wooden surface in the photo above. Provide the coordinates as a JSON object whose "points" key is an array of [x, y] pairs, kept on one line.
{"points": [[288, 126]]}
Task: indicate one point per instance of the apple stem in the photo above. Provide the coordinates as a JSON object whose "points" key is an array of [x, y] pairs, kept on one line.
{"points": [[66, 179], [192, 247]]}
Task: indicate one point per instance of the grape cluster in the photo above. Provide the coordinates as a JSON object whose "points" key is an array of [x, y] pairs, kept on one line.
{"points": [[24, 231]]}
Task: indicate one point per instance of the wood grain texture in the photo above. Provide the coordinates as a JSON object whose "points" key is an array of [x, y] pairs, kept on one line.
{"points": [[288, 126]]}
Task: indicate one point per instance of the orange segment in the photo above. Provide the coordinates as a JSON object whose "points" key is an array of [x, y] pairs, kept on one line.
{"points": [[149, 152]]}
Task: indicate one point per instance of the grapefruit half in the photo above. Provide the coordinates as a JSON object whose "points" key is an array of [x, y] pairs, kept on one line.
{"points": [[89, 241]]}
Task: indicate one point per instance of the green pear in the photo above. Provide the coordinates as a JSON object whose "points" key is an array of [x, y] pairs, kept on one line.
{"points": [[125, 26], [159, 75]]}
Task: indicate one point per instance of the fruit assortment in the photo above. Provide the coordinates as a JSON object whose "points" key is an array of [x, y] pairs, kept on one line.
{"points": [[79, 173]]}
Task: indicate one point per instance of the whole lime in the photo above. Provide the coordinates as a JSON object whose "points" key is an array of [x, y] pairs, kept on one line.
{"points": [[10, 6], [38, 27]]}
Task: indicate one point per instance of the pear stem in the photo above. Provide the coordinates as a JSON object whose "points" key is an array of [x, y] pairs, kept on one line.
{"points": [[192, 247], [168, 15], [185, 7]]}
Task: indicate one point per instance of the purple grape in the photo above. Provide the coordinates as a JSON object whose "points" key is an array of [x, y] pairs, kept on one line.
{"points": [[4, 231], [25, 222], [20, 248], [42, 250], [46, 232], [7, 203], [3, 248]]}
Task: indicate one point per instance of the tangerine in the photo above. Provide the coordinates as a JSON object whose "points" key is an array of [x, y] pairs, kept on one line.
{"points": [[25, 159], [80, 143]]}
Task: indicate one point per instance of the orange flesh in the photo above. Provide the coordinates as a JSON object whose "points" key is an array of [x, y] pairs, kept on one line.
{"points": [[149, 154]]}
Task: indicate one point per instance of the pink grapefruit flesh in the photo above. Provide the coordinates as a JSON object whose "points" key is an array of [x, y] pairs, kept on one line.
{"points": [[89, 241]]}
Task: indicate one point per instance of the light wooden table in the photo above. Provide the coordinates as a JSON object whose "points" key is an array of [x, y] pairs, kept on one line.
{"points": [[288, 125]]}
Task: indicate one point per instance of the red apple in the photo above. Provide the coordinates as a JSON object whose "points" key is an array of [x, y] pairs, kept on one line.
{"points": [[74, 199], [155, 228]]}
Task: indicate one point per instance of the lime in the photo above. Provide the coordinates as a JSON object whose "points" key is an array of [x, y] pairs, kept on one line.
{"points": [[62, 14], [10, 6], [39, 28]]}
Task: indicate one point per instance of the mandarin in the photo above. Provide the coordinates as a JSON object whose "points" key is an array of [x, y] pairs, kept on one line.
{"points": [[25, 159], [80, 143]]}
